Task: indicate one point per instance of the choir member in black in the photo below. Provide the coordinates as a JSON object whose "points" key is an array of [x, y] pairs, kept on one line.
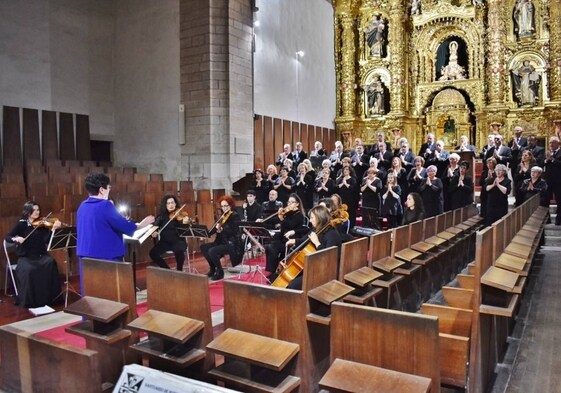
{"points": [[414, 210], [535, 185], [428, 147], [371, 189], [261, 186], [392, 209], [325, 186], [406, 156], [431, 193], [384, 157], [37, 272], [400, 174], [452, 171], [498, 190], [320, 218], [522, 173], [292, 225], [487, 174], [417, 174], [304, 186], [347, 190], [228, 240], [552, 168], [461, 189], [439, 158], [272, 175], [252, 210], [270, 208], [488, 150], [167, 238], [537, 151], [283, 185], [289, 165], [380, 173], [360, 162]]}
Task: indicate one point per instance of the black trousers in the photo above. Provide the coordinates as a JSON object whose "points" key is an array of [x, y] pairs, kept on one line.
{"points": [[555, 189], [161, 247], [213, 252], [274, 252]]}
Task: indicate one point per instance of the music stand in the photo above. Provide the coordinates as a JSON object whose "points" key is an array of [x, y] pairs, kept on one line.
{"points": [[134, 241], [194, 231], [63, 239], [256, 233]]}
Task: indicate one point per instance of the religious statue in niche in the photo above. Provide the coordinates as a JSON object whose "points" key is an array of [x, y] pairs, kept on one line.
{"points": [[524, 18], [375, 94], [452, 70], [449, 125], [415, 7], [526, 81], [376, 36]]}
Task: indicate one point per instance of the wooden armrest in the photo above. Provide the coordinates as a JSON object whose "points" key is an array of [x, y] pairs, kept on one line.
{"points": [[111, 336], [255, 349], [174, 327], [330, 292], [97, 309], [499, 278], [347, 376], [387, 264], [362, 276]]}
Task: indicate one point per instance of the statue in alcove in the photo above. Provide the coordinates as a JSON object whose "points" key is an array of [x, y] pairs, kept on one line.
{"points": [[524, 18], [415, 7], [376, 36], [526, 81], [375, 93], [449, 125], [452, 70]]}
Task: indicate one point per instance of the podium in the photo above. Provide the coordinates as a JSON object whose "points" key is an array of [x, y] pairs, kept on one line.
{"points": [[193, 231], [63, 239], [134, 241]]}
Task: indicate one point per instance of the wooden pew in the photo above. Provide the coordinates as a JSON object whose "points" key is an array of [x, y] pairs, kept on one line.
{"points": [[276, 314], [176, 299], [29, 363], [381, 260], [392, 340]]}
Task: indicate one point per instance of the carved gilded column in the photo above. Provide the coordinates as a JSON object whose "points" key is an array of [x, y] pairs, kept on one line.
{"points": [[555, 50], [347, 70], [496, 33], [398, 49]]}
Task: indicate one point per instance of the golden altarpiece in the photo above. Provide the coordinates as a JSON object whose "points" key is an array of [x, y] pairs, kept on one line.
{"points": [[451, 67]]}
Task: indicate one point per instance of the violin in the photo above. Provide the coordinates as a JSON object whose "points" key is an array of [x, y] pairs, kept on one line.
{"points": [[45, 222], [178, 214], [286, 210]]}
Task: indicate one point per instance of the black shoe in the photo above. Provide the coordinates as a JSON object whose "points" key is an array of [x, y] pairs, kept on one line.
{"points": [[211, 272], [218, 276]]}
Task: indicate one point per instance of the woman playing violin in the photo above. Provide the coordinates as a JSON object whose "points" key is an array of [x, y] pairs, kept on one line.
{"points": [[167, 237], [37, 272], [292, 224], [320, 218], [228, 240]]}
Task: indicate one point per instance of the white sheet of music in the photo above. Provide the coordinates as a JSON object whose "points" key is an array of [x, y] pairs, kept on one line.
{"points": [[142, 234]]}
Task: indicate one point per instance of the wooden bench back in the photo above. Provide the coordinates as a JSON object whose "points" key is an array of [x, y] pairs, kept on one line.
{"points": [[416, 234], [354, 255], [320, 268], [400, 239], [31, 363], [390, 339], [380, 246], [429, 227]]}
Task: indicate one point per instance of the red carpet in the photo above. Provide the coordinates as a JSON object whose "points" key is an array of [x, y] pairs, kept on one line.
{"points": [[216, 290]]}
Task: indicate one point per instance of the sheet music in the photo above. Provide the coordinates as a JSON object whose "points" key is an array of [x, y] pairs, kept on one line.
{"points": [[140, 235]]}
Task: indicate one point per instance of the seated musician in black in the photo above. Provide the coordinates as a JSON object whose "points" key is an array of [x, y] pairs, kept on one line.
{"points": [[252, 210], [228, 240], [270, 210], [37, 272], [338, 214], [293, 224], [323, 235], [167, 238]]}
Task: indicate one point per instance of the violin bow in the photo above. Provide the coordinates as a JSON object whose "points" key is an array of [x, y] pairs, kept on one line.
{"points": [[171, 218]]}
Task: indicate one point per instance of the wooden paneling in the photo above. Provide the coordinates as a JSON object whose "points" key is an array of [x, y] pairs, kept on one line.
{"points": [[66, 132], [12, 138], [83, 150], [31, 149], [304, 139], [311, 139], [269, 142], [49, 136], [287, 133], [296, 135], [278, 137], [258, 143]]}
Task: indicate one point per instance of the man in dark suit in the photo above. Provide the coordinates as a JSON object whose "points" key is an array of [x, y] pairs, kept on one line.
{"points": [[488, 150], [360, 162], [380, 137], [298, 155], [439, 158], [517, 144], [286, 153], [252, 210], [336, 157], [502, 153], [537, 151], [384, 157], [427, 148], [553, 174]]}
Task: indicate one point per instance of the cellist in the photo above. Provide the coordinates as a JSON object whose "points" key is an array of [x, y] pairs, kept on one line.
{"points": [[329, 236]]}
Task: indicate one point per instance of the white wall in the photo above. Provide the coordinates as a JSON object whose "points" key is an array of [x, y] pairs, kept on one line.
{"points": [[146, 75], [300, 89], [57, 55]]}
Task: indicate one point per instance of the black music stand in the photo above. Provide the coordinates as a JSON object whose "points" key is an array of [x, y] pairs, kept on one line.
{"points": [[193, 231], [255, 233], [133, 242], [64, 239]]}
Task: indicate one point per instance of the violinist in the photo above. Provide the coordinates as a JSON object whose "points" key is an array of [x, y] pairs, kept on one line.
{"points": [[37, 272], [292, 225], [167, 238], [252, 210], [320, 218], [228, 240]]}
